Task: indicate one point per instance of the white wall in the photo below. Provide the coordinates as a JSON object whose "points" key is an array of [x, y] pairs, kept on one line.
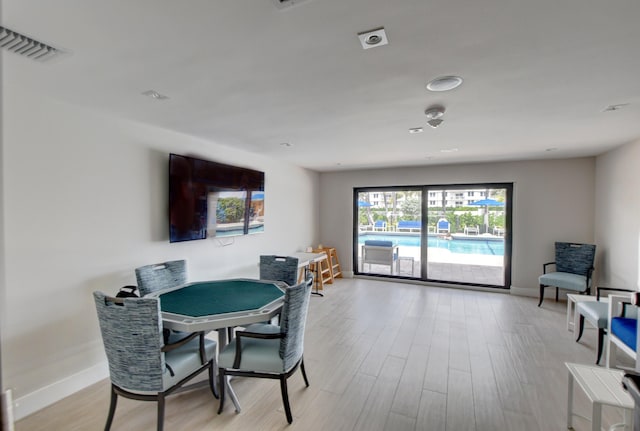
{"points": [[85, 202], [552, 201], [617, 216]]}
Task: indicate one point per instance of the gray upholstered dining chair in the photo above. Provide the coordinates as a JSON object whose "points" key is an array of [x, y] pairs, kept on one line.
{"points": [[279, 268], [141, 366], [270, 351], [152, 278], [573, 269]]}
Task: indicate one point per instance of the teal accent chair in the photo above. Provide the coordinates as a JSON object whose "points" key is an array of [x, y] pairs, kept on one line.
{"points": [[573, 269], [158, 276], [141, 365], [597, 314], [270, 351]]}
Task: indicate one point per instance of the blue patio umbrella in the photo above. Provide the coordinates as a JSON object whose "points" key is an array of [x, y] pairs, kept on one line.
{"points": [[364, 204], [488, 203]]}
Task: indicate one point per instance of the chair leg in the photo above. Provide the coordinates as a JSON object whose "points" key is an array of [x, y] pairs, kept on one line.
{"points": [[112, 409], [221, 389], [541, 295], [285, 398], [557, 294], [212, 378], [600, 343], [160, 412], [304, 373], [580, 329]]}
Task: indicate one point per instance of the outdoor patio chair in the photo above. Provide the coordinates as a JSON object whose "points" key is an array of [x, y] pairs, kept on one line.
{"points": [[472, 230], [409, 226], [597, 314], [623, 331], [378, 252], [443, 226], [574, 267], [380, 226]]}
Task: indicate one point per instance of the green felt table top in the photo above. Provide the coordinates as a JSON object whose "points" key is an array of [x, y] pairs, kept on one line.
{"points": [[217, 297]]}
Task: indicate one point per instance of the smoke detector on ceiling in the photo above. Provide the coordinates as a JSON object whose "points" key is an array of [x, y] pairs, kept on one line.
{"points": [[373, 38], [434, 116], [283, 4], [26, 46]]}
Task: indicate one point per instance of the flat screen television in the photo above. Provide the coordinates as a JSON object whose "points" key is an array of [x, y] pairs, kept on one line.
{"points": [[209, 199]]}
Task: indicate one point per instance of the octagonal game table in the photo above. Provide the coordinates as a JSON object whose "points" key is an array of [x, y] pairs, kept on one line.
{"points": [[218, 305]]}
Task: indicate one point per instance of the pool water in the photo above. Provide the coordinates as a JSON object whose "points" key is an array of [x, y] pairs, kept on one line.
{"points": [[460, 246]]}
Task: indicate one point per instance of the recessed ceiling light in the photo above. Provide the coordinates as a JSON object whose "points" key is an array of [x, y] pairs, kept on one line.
{"points": [[373, 38], [551, 149], [154, 95], [449, 150], [615, 107], [444, 83], [286, 144], [416, 130]]}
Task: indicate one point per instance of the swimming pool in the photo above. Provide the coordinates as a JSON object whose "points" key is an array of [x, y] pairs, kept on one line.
{"points": [[456, 245]]}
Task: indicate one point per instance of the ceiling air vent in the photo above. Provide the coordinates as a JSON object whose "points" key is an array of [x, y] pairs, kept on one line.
{"points": [[25, 46], [283, 4]]}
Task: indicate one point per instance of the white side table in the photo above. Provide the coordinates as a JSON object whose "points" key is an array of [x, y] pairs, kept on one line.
{"points": [[572, 298], [603, 387]]}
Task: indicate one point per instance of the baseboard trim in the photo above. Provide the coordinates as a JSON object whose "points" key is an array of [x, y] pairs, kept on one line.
{"points": [[43, 397]]}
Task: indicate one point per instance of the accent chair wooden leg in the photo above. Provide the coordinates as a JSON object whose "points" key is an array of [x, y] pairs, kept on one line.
{"points": [[221, 389], [541, 295], [160, 412], [557, 294], [285, 398], [580, 328], [212, 378], [112, 409], [304, 373], [600, 343]]}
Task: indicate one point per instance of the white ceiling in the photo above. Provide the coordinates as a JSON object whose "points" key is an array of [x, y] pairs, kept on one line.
{"points": [[537, 74]]}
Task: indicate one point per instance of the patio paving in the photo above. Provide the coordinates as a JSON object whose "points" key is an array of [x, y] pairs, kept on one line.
{"points": [[443, 271]]}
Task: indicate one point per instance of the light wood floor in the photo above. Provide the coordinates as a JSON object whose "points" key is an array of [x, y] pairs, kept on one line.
{"points": [[388, 356]]}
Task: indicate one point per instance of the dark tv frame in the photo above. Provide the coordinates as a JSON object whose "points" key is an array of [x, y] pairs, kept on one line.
{"points": [[195, 184]]}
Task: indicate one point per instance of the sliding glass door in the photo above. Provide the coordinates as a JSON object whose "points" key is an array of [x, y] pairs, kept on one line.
{"points": [[388, 231], [452, 234]]}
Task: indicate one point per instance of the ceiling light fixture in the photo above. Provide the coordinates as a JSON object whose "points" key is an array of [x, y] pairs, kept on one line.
{"points": [[444, 83], [416, 130], [449, 150], [286, 144], [615, 107], [373, 38], [434, 116], [154, 95]]}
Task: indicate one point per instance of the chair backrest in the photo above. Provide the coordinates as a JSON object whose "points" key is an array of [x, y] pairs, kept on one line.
{"points": [[574, 258], [132, 336], [279, 268], [443, 224], [379, 252], [293, 320], [380, 224], [152, 278]]}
